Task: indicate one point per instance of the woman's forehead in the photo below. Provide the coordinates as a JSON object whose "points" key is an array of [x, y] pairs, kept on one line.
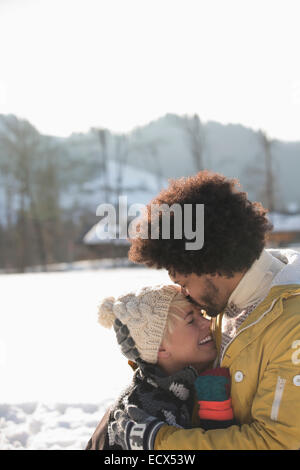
{"points": [[185, 310]]}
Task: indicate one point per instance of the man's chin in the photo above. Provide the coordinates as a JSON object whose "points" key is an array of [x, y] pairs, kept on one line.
{"points": [[211, 313]]}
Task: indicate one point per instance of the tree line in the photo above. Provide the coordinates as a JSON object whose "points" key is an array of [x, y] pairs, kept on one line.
{"points": [[36, 171]]}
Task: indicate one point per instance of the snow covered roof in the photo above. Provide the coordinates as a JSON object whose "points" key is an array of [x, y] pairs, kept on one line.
{"points": [[97, 235], [285, 222], [139, 186]]}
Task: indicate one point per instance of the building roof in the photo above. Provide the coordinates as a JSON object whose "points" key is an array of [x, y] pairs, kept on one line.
{"points": [[98, 236]]}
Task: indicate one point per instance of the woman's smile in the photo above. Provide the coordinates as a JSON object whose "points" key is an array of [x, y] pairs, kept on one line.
{"points": [[206, 340]]}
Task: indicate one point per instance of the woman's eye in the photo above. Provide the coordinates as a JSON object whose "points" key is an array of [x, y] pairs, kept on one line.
{"points": [[190, 322]]}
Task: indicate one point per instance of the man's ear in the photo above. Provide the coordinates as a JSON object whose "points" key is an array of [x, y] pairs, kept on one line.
{"points": [[163, 353]]}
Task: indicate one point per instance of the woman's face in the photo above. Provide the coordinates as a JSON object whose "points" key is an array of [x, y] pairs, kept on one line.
{"points": [[190, 342]]}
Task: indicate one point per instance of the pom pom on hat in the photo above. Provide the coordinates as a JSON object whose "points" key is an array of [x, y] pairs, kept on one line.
{"points": [[106, 316]]}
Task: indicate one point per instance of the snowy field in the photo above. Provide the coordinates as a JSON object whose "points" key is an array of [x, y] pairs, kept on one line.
{"points": [[59, 369]]}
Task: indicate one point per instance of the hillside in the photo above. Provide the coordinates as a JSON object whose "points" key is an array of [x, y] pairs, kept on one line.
{"points": [[163, 147]]}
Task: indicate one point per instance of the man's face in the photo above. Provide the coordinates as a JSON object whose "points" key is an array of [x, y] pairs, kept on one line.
{"points": [[208, 292]]}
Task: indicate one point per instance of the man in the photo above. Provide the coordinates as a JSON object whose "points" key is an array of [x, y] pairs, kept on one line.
{"points": [[253, 297]]}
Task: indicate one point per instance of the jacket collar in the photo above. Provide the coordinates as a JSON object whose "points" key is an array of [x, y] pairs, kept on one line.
{"points": [[284, 284], [290, 274], [258, 320], [255, 284]]}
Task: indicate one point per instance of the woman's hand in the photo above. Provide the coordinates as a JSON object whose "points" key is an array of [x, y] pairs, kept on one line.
{"points": [[133, 429]]}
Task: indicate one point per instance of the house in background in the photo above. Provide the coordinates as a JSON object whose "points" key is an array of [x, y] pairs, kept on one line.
{"points": [[139, 187], [106, 244], [286, 231]]}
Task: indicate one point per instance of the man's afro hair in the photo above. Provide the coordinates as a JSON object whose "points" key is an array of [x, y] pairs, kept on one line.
{"points": [[235, 229]]}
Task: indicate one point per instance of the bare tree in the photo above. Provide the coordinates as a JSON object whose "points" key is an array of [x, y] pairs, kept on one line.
{"points": [[196, 139], [29, 175], [260, 173], [119, 152], [102, 135], [153, 150], [149, 148], [266, 144]]}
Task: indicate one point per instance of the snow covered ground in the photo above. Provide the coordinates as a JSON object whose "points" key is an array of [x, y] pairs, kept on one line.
{"points": [[59, 369]]}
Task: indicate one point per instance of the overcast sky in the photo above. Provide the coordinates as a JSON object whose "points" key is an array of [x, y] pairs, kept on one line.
{"points": [[68, 65]]}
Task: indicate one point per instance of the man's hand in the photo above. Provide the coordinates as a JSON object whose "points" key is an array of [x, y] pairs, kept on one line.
{"points": [[133, 429]]}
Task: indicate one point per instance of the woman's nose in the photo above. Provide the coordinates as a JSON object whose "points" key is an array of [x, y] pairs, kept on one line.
{"points": [[203, 323]]}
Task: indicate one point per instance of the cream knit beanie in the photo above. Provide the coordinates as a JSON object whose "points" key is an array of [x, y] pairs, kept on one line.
{"points": [[144, 312]]}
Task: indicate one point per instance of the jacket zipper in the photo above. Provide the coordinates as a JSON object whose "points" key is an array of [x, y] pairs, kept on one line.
{"points": [[277, 398]]}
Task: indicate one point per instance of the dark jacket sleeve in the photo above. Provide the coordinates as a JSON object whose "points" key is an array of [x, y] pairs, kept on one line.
{"points": [[99, 440]]}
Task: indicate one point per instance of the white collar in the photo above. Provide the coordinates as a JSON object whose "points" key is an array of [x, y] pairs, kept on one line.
{"points": [[255, 284]]}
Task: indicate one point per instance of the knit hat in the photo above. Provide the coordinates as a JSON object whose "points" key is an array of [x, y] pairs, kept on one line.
{"points": [[144, 312]]}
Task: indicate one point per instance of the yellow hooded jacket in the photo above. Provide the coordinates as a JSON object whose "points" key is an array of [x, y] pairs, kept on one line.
{"points": [[264, 362]]}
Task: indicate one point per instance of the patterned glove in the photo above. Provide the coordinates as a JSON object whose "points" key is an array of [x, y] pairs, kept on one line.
{"points": [[134, 429], [213, 393]]}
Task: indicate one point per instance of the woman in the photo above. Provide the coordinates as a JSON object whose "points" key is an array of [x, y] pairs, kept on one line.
{"points": [[169, 344]]}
